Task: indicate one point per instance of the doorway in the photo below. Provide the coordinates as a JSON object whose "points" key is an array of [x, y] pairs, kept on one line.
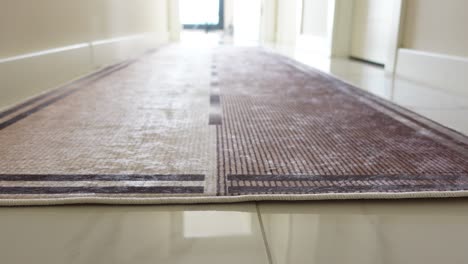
{"points": [[202, 14]]}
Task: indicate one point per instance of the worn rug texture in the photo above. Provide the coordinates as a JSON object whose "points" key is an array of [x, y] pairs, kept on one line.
{"points": [[225, 124]]}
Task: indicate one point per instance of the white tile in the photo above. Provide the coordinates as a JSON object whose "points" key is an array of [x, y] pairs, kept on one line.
{"points": [[140, 234], [405, 231]]}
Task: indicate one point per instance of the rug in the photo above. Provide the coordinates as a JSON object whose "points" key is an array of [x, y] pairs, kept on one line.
{"points": [[226, 124]]}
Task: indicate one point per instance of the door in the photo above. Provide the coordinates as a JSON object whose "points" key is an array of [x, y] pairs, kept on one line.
{"points": [[372, 20]]}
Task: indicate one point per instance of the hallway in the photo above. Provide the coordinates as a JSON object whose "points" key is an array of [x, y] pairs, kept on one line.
{"points": [[115, 107], [227, 131]]}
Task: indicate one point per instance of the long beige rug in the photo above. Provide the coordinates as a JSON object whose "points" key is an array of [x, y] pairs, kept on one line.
{"points": [[188, 125]]}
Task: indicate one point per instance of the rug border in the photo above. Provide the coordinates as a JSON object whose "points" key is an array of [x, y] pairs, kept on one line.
{"points": [[229, 199], [401, 110], [16, 112]]}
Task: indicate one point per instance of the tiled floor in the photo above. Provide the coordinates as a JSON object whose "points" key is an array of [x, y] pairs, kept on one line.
{"points": [[405, 231], [139, 234], [417, 231]]}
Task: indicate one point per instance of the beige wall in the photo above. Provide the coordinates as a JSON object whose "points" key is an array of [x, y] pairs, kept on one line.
{"points": [[437, 26], [38, 40], [28, 25]]}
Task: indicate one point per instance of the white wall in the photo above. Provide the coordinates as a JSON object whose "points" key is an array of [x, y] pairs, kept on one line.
{"points": [[286, 25], [247, 20], [342, 25], [50, 42], [282, 24], [175, 26], [228, 13], [289, 23], [268, 21], [358, 15], [315, 18], [435, 44]]}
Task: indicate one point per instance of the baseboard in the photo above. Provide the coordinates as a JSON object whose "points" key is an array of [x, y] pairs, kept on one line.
{"points": [[27, 75], [110, 51], [436, 70]]}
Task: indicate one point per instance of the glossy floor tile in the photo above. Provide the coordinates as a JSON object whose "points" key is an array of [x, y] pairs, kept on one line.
{"points": [[390, 232], [139, 234]]}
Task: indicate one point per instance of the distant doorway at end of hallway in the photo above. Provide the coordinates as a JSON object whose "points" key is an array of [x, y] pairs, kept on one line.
{"points": [[202, 14]]}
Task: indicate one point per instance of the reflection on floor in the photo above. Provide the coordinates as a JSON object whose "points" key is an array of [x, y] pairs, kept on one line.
{"points": [[367, 232], [416, 231], [138, 234]]}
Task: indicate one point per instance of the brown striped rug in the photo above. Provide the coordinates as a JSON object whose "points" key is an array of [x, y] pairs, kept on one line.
{"points": [[229, 124]]}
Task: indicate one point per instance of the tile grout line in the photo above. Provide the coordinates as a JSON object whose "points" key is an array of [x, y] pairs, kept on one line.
{"points": [[265, 241]]}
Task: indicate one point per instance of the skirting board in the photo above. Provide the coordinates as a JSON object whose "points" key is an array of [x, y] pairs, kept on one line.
{"points": [[27, 75], [436, 70], [110, 51]]}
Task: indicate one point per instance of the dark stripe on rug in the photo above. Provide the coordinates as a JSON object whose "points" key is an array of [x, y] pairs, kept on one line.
{"points": [[27, 103], [88, 80], [298, 184], [98, 177], [344, 177], [215, 99], [340, 189], [102, 190], [215, 119], [215, 116]]}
